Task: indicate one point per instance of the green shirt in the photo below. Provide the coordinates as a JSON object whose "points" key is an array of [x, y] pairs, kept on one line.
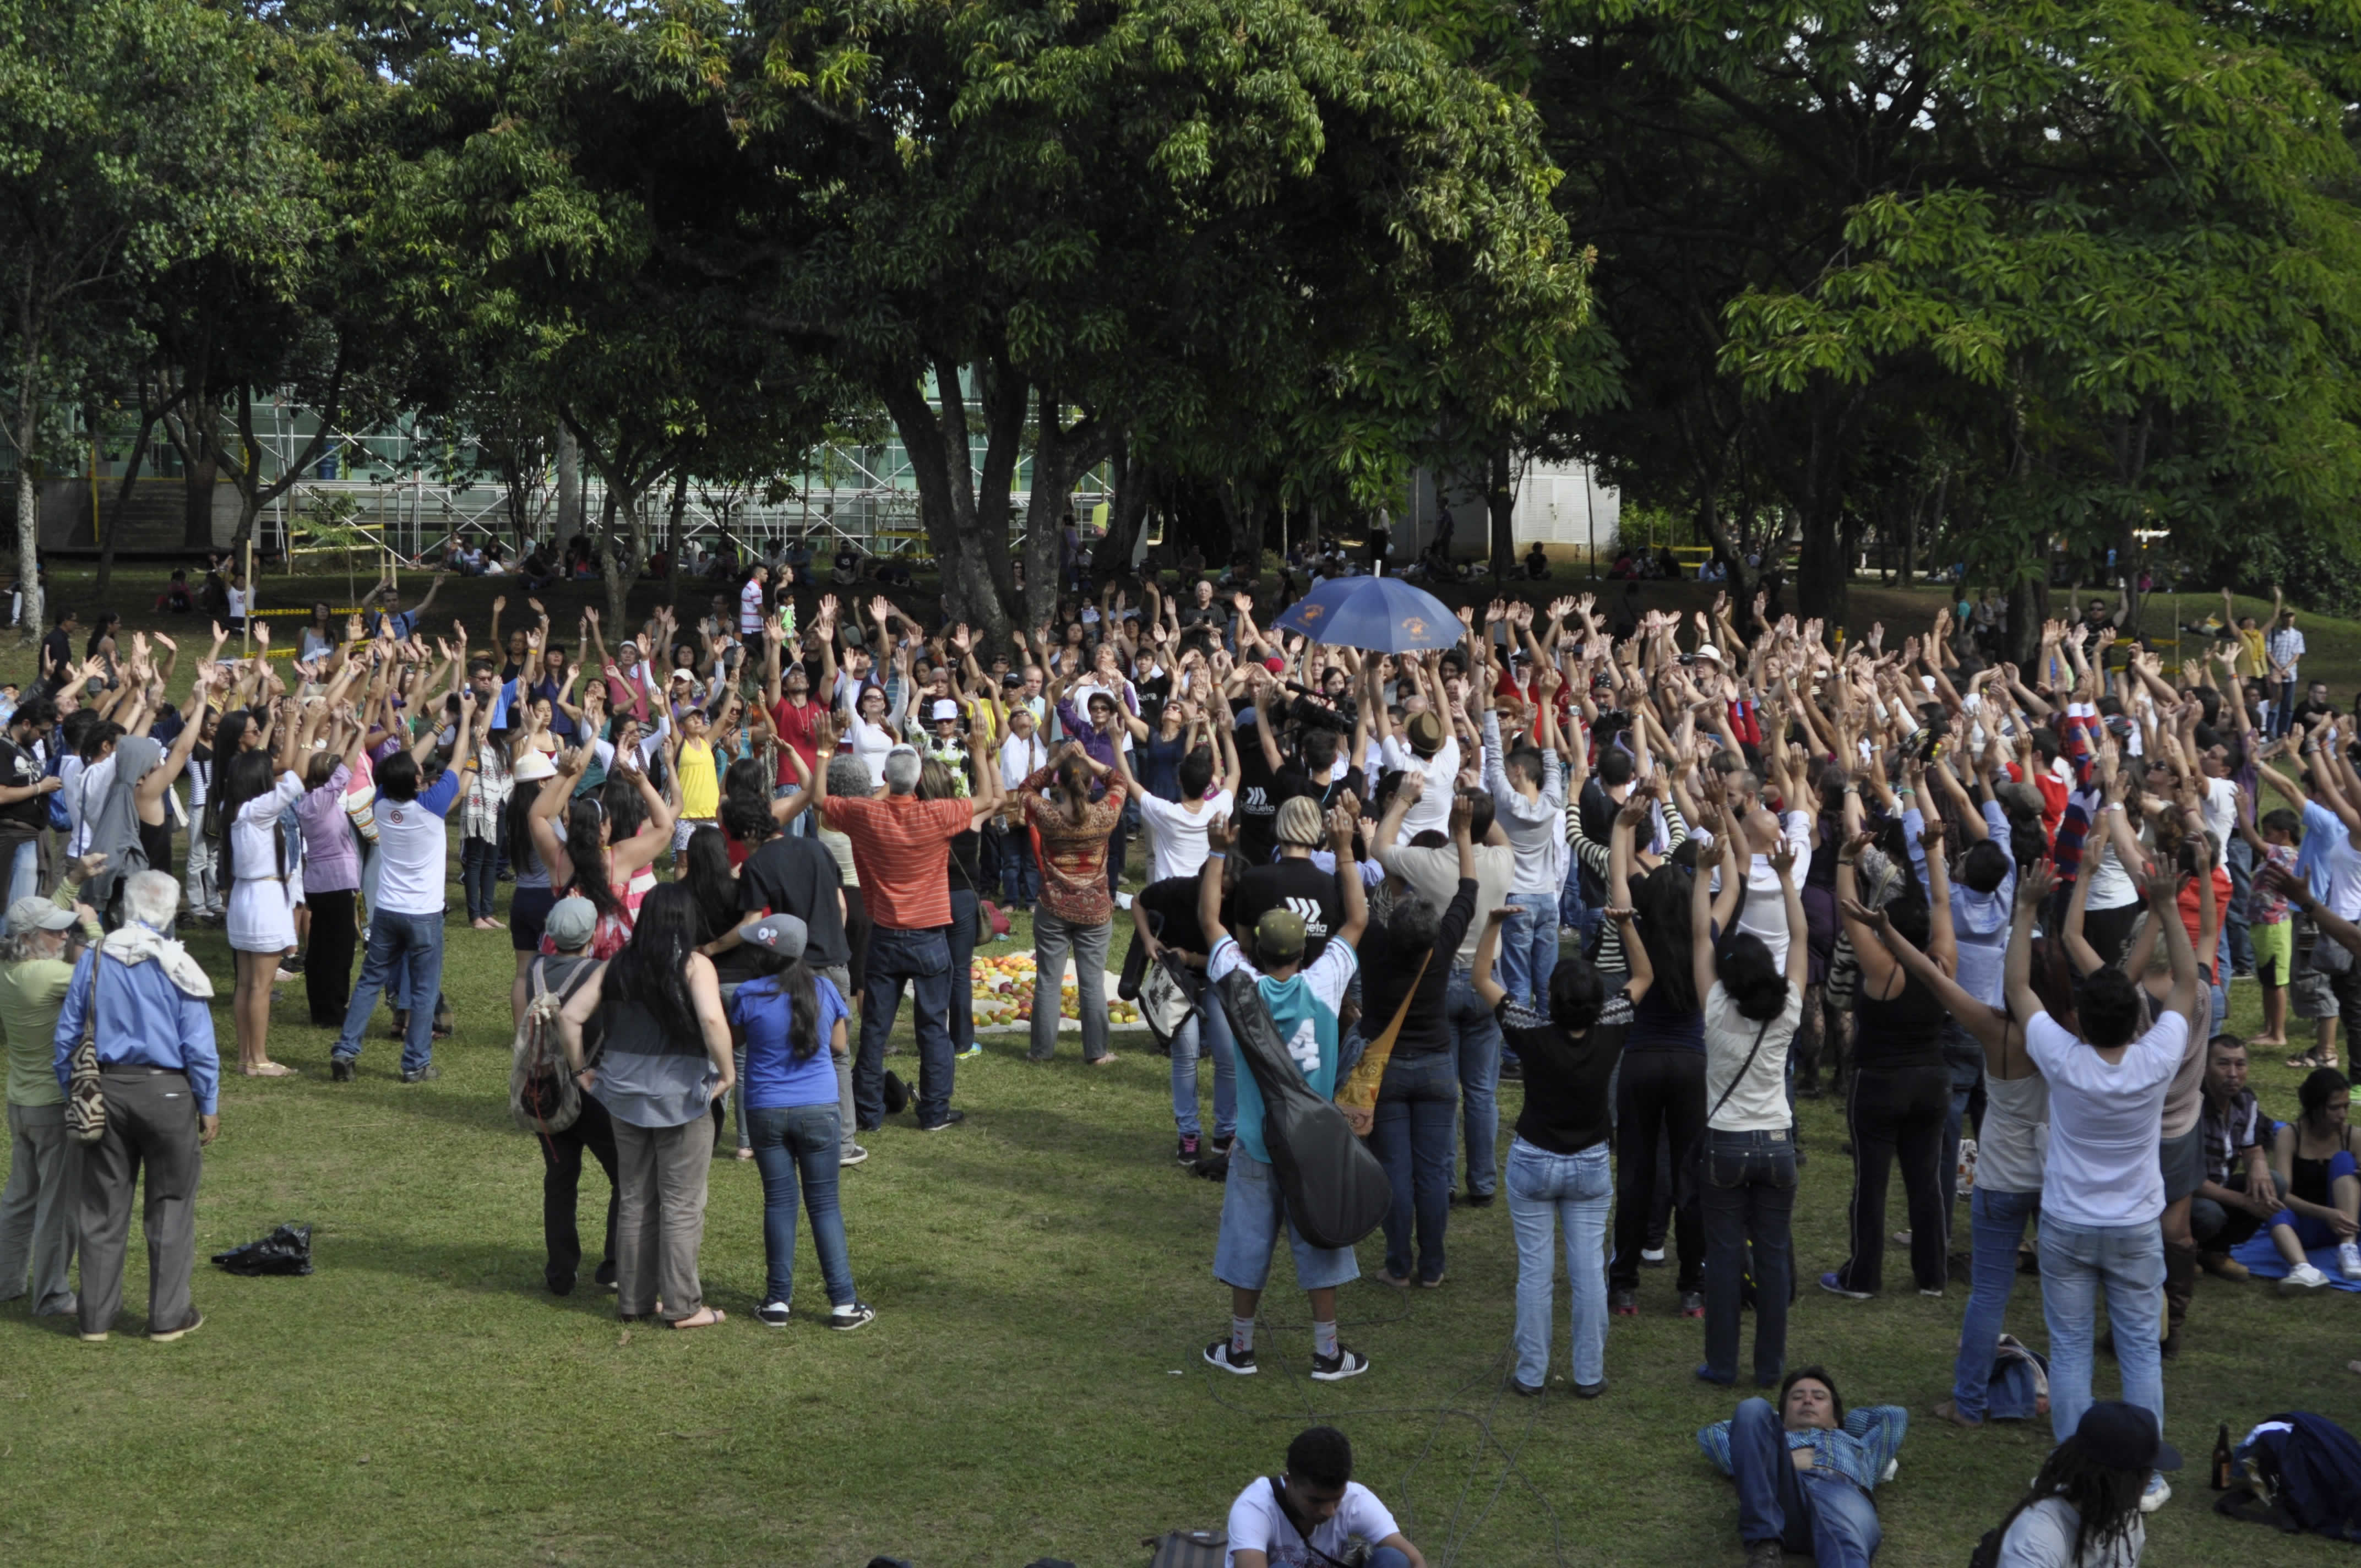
{"points": [[30, 994]]}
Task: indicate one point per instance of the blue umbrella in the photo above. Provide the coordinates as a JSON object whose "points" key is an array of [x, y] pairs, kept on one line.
{"points": [[1384, 614]]}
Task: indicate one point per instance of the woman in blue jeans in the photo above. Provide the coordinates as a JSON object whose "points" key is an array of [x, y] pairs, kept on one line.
{"points": [[793, 1023], [1558, 1177]]}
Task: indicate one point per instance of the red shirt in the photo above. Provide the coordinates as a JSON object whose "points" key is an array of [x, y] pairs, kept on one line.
{"points": [[2192, 911], [901, 847], [794, 723]]}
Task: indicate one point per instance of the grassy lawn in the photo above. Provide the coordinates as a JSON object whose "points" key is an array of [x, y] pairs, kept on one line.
{"points": [[1031, 1385]]}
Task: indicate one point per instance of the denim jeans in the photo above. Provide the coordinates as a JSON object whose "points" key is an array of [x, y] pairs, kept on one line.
{"points": [[1965, 1059], [1569, 1193], [1052, 938], [408, 947], [1207, 1032], [2238, 944], [1749, 1197], [799, 1145], [1996, 1224], [921, 958], [200, 884], [25, 870], [1817, 1512], [1418, 1101], [1476, 1039], [1528, 949], [479, 866], [2079, 1263], [1020, 875], [961, 935]]}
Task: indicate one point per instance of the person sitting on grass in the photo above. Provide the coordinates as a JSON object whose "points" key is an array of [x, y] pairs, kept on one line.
{"points": [[2238, 1194], [1805, 1470], [1315, 1514], [2313, 1164], [2083, 1511], [1302, 1003]]}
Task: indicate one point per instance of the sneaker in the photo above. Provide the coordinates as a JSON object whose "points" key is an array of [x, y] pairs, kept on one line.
{"points": [[2302, 1277], [2348, 1259], [401, 1024], [1337, 1367], [1187, 1153], [1653, 1256], [1222, 1142], [857, 1315], [771, 1314], [291, 965], [854, 1154], [1229, 1358], [1935, 1294], [1692, 1303], [1526, 1391], [1591, 1391], [1623, 1303], [971, 1052], [196, 1320], [422, 1074], [340, 1069], [1834, 1285], [2159, 1493], [950, 1119], [1765, 1554]]}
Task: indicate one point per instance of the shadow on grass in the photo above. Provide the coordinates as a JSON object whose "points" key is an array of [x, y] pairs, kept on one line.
{"points": [[494, 1269]]}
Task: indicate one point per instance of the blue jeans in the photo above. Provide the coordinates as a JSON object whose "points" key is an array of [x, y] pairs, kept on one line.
{"points": [[799, 1145], [1020, 875], [1476, 1038], [407, 948], [2238, 946], [25, 870], [1996, 1222], [2282, 719], [1418, 1099], [922, 959], [1965, 1059], [1749, 1197], [2079, 1262], [1819, 1512], [479, 866], [1528, 949], [1207, 1032], [961, 936], [1572, 1193]]}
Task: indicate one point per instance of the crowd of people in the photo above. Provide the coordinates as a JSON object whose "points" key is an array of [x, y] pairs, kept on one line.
{"points": [[1668, 876]]}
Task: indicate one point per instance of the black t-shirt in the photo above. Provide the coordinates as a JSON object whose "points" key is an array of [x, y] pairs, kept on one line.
{"points": [[57, 651], [964, 849], [1153, 692], [797, 876], [1294, 883], [1258, 801], [1565, 1079], [28, 817], [1388, 966], [1171, 906]]}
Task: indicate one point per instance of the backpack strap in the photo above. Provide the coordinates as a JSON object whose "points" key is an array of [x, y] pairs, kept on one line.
{"points": [[1279, 1497]]}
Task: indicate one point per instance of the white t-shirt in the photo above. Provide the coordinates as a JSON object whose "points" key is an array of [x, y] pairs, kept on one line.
{"points": [[2104, 1120], [1177, 835], [1022, 756], [1765, 911], [750, 609], [254, 853], [1432, 809], [1257, 1524], [1759, 1104], [2220, 812], [412, 845]]}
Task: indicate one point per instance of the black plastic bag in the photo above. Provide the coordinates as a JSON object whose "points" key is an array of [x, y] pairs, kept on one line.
{"points": [[1334, 1189], [287, 1250]]}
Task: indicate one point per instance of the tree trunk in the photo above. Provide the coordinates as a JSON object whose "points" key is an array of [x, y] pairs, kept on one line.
{"points": [[1128, 515], [619, 557], [114, 528], [569, 487], [1500, 503], [28, 520], [673, 550], [1059, 456], [966, 523]]}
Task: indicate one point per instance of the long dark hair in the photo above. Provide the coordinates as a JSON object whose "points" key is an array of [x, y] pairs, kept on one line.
{"points": [[583, 819], [1662, 901], [2105, 1500], [244, 777], [793, 978], [746, 803], [522, 854], [705, 871], [652, 969]]}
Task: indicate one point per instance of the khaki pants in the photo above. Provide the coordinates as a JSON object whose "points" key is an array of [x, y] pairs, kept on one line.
{"points": [[660, 1175], [151, 1122], [38, 1218]]}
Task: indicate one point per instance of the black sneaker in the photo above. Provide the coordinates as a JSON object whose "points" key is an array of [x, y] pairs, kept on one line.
{"points": [[1622, 1303], [1693, 1303], [1222, 1145], [1337, 1367], [771, 1314], [1187, 1153], [859, 1314], [420, 1075], [950, 1119], [340, 1069], [294, 965], [1526, 1391], [401, 1024], [1222, 1353]]}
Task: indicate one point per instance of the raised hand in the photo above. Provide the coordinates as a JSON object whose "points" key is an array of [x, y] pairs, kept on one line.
{"points": [[500, 603]]}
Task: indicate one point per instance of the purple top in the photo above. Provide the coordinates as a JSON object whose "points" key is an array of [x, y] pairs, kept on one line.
{"points": [[1097, 744], [332, 859]]}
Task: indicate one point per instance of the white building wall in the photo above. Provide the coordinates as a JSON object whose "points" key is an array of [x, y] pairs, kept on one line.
{"points": [[1557, 503]]}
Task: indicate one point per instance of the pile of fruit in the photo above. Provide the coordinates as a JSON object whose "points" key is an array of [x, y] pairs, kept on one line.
{"points": [[1004, 994]]}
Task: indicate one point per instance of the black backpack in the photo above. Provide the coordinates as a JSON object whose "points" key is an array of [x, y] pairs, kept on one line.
{"points": [[1336, 1191], [2302, 1473]]}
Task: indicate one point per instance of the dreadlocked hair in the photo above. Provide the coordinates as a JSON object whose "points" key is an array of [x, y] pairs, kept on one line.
{"points": [[2105, 1501]]}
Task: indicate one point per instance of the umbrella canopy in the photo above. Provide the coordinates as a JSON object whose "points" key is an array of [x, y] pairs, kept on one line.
{"points": [[1383, 614]]}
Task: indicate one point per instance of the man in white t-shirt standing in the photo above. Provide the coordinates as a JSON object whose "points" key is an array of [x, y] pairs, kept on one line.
{"points": [[1310, 1516], [406, 926], [1426, 748], [750, 603], [2102, 1190]]}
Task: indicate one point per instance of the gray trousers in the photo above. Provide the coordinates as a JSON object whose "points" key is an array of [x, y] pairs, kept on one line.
{"points": [[151, 1121], [660, 1175], [1052, 938], [38, 1227]]}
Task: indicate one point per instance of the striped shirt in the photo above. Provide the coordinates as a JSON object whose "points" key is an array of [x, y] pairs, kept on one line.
{"points": [[902, 845], [2286, 647]]}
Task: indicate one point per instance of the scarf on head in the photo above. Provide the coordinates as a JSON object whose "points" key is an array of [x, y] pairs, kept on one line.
{"points": [[115, 818], [135, 944]]}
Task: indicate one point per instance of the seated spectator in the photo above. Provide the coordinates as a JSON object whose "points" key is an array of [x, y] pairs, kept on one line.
{"points": [[1537, 564], [2239, 1194], [2083, 1511], [1315, 1514], [176, 598], [2313, 1163], [1805, 1471]]}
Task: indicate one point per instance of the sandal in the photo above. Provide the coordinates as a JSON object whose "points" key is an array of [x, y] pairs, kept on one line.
{"points": [[2306, 1062], [713, 1317]]}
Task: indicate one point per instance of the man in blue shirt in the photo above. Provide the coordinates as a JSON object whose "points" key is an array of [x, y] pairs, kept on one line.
{"points": [[1302, 1003], [393, 618], [159, 1078], [1805, 1470]]}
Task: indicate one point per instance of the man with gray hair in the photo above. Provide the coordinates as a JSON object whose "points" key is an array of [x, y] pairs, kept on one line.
{"points": [[901, 847], [144, 1002]]}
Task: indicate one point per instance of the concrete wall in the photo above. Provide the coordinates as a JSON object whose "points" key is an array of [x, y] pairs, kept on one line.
{"points": [[1557, 503], [152, 518]]}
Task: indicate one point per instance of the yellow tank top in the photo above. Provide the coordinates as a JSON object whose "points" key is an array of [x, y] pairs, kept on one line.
{"points": [[700, 787]]}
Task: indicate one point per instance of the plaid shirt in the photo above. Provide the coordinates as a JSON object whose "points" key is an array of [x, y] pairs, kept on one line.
{"points": [[2229, 1128], [2286, 647], [1859, 1451]]}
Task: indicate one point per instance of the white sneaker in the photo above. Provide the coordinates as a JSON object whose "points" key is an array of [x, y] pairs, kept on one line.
{"points": [[2302, 1277], [2159, 1493], [2348, 1259]]}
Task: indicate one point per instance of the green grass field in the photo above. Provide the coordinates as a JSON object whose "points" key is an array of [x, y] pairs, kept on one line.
{"points": [[1031, 1385]]}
